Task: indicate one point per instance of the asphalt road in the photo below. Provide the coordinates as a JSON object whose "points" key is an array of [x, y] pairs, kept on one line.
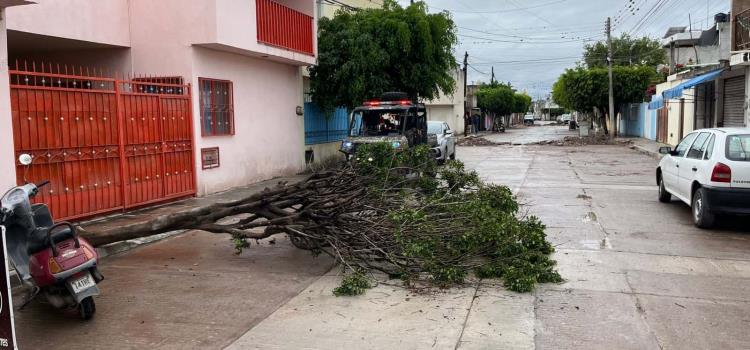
{"points": [[638, 275]]}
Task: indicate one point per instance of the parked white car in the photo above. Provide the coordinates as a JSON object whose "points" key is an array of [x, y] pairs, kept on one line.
{"points": [[710, 171], [565, 118], [445, 139], [528, 119]]}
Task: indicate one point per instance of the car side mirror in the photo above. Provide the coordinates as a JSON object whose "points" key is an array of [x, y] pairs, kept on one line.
{"points": [[665, 150]]}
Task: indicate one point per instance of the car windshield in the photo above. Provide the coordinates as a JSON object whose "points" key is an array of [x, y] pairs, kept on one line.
{"points": [[383, 122], [435, 128], [738, 148]]}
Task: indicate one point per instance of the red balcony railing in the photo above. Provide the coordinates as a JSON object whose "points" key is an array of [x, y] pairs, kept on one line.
{"points": [[284, 27]]}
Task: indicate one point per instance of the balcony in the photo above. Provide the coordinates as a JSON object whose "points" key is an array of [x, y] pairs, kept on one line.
{"points": [[742, 31], [284, 27]]}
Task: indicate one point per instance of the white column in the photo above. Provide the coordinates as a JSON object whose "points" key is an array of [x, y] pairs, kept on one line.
{"points": [[7, 154]]}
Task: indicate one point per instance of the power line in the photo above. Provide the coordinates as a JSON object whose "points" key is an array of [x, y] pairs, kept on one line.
{"points": [[477, 70], [521, 41], [502, 11]]}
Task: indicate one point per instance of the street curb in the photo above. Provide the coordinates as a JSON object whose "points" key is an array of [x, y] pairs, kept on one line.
{"points": [[646, 151], [125, 246]]}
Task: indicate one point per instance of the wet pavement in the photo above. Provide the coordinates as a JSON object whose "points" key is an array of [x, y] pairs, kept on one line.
{"points": [[638, 275], [186, 292]]}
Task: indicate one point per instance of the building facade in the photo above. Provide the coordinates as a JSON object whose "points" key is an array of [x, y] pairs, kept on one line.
{"points": [[449, 108], [218, 79]]}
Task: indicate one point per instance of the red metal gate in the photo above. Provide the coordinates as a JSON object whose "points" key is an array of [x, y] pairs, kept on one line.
{"points": [[105, 144]]}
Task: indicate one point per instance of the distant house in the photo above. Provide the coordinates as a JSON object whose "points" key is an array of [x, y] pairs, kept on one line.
{"points": [[449, 108], [685, 48], [706, 90]]}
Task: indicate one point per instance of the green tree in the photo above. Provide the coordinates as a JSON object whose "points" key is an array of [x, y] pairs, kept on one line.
{"points": [[584, 89], [363, 53], [627, 51], [521, 103], [497, 98]]}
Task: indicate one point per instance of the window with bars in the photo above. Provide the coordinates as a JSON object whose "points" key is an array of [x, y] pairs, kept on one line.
{"points": [[217, 107]]}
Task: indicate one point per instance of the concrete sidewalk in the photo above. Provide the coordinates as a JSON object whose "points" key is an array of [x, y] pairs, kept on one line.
{"points": [[645, 146], [477, 316]]}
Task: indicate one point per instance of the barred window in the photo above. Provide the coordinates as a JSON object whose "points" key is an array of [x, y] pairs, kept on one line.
{"points": [[217, 107]]}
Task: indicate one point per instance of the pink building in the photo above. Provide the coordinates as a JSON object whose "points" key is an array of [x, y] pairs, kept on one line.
{"points": [[123, 103]]}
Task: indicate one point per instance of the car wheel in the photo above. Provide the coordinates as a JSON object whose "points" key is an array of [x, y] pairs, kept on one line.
{"points": [[701, 216], [664, 196]]}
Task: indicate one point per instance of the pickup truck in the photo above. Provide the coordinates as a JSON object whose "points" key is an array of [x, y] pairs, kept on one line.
{"points": [[393, 119]]}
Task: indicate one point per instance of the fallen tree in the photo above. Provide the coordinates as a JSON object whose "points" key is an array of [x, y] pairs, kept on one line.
{"points": [[388, 211]]}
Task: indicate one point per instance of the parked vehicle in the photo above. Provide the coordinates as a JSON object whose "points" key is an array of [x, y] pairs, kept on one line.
{"points": [[499, 124], [565, 118], [528, 119], [710, 171], [49, 257], [445, 139], [393, 119]]}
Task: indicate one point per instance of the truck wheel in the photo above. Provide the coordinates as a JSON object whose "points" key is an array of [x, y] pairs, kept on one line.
{"points": [[87, 308], [664, 196], [702, 217]]}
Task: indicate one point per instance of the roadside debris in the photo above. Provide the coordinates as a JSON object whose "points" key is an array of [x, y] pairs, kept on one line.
{"points": [[584, 141], [478, 141], [390, 212]]}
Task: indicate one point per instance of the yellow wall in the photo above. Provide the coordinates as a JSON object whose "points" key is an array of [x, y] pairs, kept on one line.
{"points": [[673, 106]]}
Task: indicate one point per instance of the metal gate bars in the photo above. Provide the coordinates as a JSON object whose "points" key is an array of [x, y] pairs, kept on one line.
{"points": [[105, 144]]}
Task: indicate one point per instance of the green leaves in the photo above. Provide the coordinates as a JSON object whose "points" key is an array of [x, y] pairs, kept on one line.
{"points": [[583, 89], [445, 223], [355, 283], [363, 53], [627, 51], [501, 99]]}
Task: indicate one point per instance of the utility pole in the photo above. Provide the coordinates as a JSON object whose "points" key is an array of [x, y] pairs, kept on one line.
{"points": [[492, 80], [466, 102], [610, 59]]}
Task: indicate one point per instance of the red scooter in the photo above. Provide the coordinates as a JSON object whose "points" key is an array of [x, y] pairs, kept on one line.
{"points": [[49, 257]]}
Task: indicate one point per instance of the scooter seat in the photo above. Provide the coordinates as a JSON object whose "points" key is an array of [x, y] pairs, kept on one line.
{"points": [[39, 242]]}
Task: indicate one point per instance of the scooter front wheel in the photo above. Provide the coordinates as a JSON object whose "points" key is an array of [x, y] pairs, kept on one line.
{"points": [[87, 308]]}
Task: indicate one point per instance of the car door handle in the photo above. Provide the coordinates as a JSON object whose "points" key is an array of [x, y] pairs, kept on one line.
{"points": [[695, 169], [677, 165]]}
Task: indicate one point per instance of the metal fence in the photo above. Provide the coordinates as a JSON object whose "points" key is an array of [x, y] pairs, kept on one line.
{"points": [[105, 144], [320, 128]]}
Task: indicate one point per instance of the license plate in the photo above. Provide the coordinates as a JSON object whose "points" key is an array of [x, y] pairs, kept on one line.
{"points": [[82, 283]]}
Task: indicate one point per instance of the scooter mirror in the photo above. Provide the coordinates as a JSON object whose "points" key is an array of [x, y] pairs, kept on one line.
{"points": [[25, 159]]}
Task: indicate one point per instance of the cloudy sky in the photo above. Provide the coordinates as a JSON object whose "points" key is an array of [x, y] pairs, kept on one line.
{"points": [[530, 42]]}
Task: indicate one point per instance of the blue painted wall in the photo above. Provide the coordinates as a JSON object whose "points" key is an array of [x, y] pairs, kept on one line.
{"points": [[654, 117], [633, 120], [319, 129]]}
